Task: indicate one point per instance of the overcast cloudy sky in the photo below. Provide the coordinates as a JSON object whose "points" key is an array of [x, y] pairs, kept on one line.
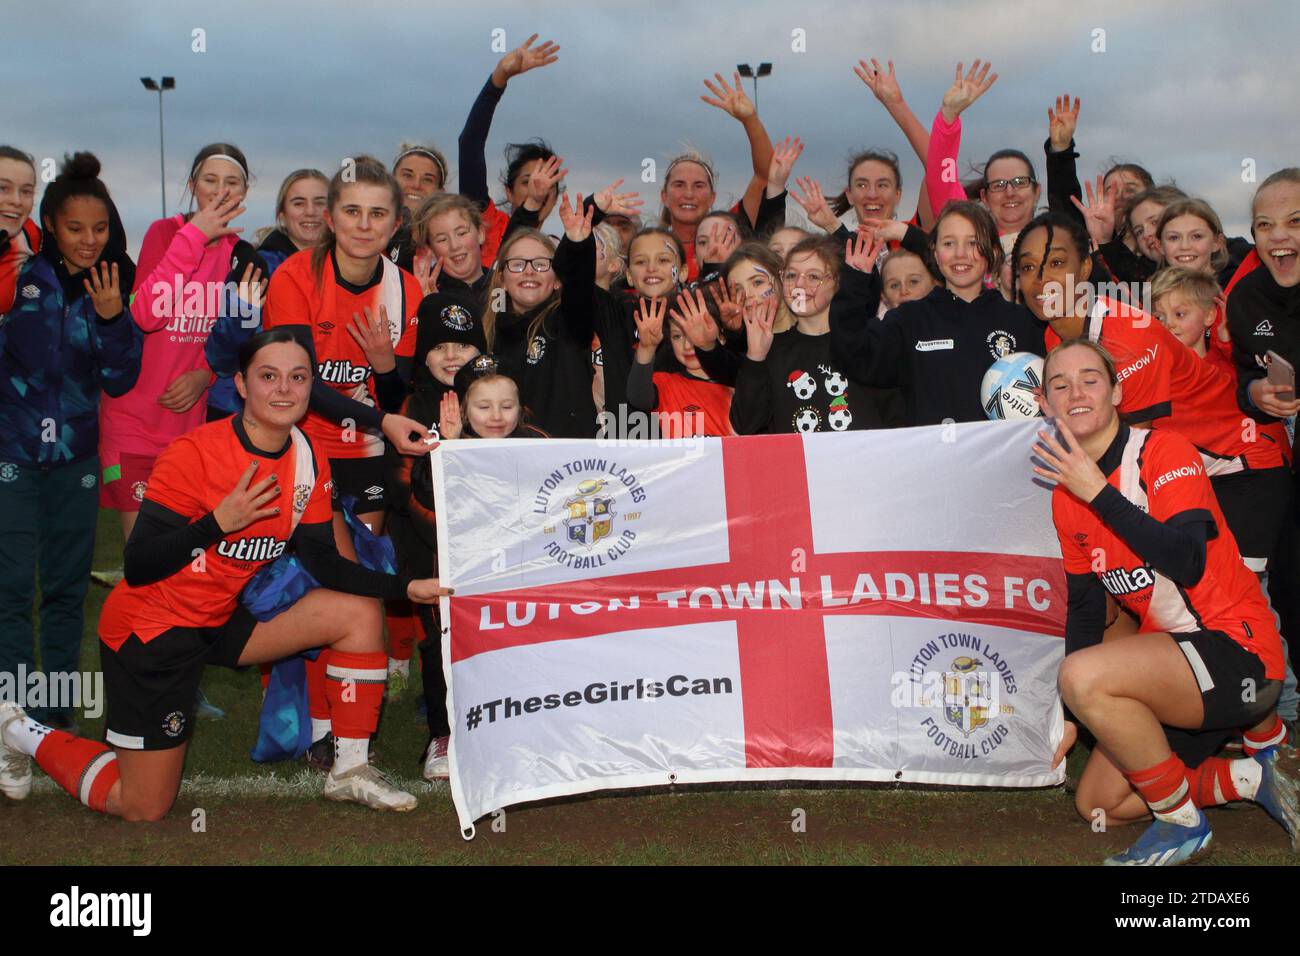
{"points": [[1189, 89]]}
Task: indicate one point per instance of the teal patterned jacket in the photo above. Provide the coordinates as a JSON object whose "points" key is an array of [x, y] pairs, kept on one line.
{"points": [[55, 357]]}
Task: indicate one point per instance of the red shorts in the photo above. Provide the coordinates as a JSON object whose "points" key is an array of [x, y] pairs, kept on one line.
{"points": [[123, 486]]}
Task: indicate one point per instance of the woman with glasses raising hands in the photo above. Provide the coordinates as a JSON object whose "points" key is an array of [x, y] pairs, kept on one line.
{"points": [[1009, 189]]}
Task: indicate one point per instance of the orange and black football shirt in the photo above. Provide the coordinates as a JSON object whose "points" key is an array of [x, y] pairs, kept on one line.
{"points": [[194, 475], [1163, 474], [326, 307]]}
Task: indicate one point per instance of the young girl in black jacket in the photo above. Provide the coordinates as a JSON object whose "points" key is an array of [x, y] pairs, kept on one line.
{"points": [[542, 336], [936, 349]]}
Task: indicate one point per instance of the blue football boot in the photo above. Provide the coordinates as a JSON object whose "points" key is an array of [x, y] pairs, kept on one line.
{"points": [[1166, 844], [1278, 795]]}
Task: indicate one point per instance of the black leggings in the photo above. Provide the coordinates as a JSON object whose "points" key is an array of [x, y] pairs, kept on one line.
{"points": [[435, 684]]}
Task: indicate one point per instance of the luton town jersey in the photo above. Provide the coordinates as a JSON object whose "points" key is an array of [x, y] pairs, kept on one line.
{"points": [[192, 477], [326, 307], [1166, 385], [1161, 473]]}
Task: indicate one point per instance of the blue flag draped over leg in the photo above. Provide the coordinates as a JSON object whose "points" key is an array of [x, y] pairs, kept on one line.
{"points": [[284, 728]]}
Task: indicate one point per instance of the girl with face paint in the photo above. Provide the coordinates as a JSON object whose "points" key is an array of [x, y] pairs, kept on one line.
{"points": [[790, 381]]}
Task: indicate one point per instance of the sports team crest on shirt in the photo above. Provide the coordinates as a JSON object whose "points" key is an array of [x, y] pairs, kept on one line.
{"points": [[137, 490], [536, 350], [301, 495], [457, 317], [1000, 343]]}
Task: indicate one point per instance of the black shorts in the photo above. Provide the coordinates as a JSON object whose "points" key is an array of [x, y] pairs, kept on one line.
{"points": [[363, 479], [1254, 503], [151, 685], [1234, 691]]}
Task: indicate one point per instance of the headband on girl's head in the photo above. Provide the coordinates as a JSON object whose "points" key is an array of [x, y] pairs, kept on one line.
{"points": [[423, 151], [227, 157], [698, 162]]}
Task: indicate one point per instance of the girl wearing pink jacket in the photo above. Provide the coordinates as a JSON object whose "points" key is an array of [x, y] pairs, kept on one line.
{"points": [[179, 292]]}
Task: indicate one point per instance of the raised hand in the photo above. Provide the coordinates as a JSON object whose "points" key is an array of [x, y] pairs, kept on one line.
{"points": [[449, 420], [104, 291], [966, 90], [784, 155], [883, 85], [549, 173], [885, 230], [733, 101], [808, 194], [375, 337], [252, 287], [1099, 214], [1062, 122], [525, 57], [729, 304], [427, 267], [862, 251], [577, 222], [613, 203], [649, 317], [760, 316], [213, 221], [720, 240], [244, 504], [1066, 463], [692, 315]]}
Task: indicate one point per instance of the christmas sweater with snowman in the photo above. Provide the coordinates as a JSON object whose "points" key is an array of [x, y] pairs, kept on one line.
{"points": [[798, 388]]}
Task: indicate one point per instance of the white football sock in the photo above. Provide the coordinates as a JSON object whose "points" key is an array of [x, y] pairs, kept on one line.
{"points": [[350, 752], [1184, 815], [320, 726], [25, 735], [1247, 775]]}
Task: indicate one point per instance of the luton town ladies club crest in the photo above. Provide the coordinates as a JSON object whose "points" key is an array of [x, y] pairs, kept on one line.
{"points": [[590, 513]]}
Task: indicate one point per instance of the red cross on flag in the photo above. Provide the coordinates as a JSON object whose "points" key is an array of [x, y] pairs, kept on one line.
{"points": [[859, 606]]}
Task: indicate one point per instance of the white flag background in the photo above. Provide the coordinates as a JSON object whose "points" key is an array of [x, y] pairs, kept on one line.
{"points": [[859, 606]]}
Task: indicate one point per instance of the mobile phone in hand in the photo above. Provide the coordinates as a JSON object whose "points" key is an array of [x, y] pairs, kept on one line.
{"points": [[1281, 373]]}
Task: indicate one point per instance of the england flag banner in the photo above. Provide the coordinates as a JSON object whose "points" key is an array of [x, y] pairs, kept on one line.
{"points": [[884, 606]]}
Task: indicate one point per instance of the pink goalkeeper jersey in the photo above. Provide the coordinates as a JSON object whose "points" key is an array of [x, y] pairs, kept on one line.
{"points": [[178, 283]]}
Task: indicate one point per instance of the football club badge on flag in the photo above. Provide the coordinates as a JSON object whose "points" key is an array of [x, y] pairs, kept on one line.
{"points": [[591, 514]]}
